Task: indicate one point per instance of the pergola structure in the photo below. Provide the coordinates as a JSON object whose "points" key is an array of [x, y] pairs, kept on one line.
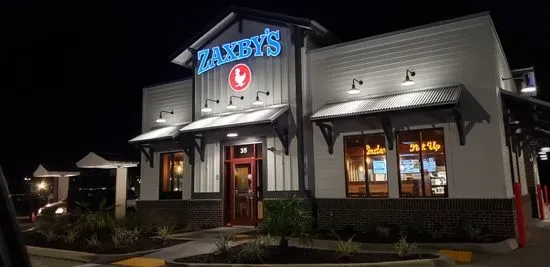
{"points": [[95, 160], [61, 174]]}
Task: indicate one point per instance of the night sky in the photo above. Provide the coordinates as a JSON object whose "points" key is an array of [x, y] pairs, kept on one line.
{"points": [[76, 71]]}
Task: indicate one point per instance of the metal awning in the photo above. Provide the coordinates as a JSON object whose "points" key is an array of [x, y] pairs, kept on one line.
{"points": [[385, 105], [156, 134], [426, 98], [144, 140], [526, 120], [269, 116]]}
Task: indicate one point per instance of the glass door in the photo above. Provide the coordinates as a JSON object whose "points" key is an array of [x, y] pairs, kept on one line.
{"points": [[243, 197]]}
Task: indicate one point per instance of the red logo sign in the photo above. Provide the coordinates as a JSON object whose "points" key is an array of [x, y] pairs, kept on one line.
{"points": [[240, 77]]}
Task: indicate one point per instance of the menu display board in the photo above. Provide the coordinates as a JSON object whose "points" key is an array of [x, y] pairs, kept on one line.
{"points": [[413, 165], [379, 166]]}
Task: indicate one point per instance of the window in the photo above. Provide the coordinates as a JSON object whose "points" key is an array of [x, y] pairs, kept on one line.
{"points": [[422, 168], [366, 172], [171, 175]]}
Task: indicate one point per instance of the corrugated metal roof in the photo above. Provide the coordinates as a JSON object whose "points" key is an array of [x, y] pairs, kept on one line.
{"points": [[235, 119], [402, 101], [525, 99], [157, 134]]}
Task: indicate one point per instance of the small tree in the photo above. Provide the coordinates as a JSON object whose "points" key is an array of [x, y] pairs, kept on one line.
{"points": [[286, 218]]}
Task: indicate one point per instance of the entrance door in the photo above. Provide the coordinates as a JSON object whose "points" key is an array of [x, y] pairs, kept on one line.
{"points": [[243, 196]]}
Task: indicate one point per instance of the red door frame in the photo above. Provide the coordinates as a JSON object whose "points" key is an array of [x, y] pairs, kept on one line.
{"points": [[252, 161]]}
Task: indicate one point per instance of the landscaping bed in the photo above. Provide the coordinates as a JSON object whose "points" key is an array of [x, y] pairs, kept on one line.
{"points": [[142, 244], [298, 255]]}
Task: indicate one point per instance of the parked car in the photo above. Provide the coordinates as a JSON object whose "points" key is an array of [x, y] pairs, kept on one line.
{"points": [[26, 206]]}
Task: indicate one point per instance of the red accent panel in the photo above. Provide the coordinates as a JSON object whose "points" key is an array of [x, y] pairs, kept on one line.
{"points": [[522, 229], [541, 202], [546, 194]]}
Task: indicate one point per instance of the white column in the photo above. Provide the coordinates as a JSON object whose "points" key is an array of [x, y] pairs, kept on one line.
{"points": [[392, 163], [120, 192], [62, 187]]}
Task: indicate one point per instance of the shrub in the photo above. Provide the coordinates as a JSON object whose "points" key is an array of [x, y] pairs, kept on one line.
{"points": [[223, 246], [383, 231], [164, 232], [403, 248], [50, 234], [94, 221], [254, 251], [286, 218], [49, 227], [71, 234], [346, 249], [122, 237], [92, 241]]}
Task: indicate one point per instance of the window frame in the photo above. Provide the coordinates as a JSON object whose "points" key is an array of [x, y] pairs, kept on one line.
{"points": [[446, 195], [346, 175], [170, 194]]}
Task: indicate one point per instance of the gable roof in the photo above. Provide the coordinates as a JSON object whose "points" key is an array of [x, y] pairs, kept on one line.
{"points": [[183, 55], [105, 161]]}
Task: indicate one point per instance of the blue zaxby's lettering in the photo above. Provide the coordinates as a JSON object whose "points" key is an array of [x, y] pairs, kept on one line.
{"points": [[245, 48]]}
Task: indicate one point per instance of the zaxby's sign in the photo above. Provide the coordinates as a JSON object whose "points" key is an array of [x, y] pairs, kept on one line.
{"points": [[245, 48]]}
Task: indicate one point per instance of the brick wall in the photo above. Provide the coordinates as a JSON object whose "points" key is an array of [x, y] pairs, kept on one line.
{"points": [[527, 204], [162, 212], [496, 216], [205, 213]]}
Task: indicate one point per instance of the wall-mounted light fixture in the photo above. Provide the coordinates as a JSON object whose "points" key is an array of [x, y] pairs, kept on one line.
{"points": [[271, 148], [353, 90], [232, 134], [206, 108], [258, 102], [161, 119], [231, 106], [408, 81], [527, 77]]}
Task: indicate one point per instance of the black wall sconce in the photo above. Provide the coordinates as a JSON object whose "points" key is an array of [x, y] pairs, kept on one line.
{"points": [[206, 108], [161, 119], [353, 90], [231, 106], [408, 81], [258, 102]]}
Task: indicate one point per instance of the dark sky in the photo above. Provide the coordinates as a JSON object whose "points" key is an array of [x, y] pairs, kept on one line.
{"points": [[76, 71]]}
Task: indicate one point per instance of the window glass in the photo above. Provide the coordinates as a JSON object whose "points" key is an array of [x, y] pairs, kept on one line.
{"points": [[243, 151], [366, 171], [172, 171], [426, 177]]}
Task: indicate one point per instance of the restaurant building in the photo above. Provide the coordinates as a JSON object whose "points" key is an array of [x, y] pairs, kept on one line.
{"points": [[421, 127]]}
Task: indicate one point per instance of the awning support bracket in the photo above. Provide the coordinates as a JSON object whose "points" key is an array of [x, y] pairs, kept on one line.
{"points": [[388, 130], [283, 136], [188, 150], [199, 146], [459, 126], [328, 134], [148, 155]]}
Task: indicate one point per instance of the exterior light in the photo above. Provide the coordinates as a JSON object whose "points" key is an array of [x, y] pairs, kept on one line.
{"points": [[161, 119], [207, 109], [353, 90], [232, 134], [545, 149], [231, 106], [42, 185], [408, 81], [529, 89], [542, 153], [258, 102], [60, 211]]}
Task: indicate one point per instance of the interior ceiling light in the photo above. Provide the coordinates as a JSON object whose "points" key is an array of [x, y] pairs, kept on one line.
{"points": [[258, 102], [232, 134], [161, 119], [231, 106], [542, 153], [353, 90], [408, 81], [545, 149], [206, 108]]}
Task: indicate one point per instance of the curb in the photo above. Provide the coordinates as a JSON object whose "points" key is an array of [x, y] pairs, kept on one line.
{"points": [[441, 261], [85, 257]]}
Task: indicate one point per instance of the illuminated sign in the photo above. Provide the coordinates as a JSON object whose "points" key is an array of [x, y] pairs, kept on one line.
{"points": [[427, 146], [376, 151], [213, 57], [239, 77]]}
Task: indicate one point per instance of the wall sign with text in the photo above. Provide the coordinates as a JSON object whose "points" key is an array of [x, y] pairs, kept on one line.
{"points": [[254, 46]]}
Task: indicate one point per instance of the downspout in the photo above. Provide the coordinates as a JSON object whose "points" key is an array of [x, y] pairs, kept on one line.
{"points": [[298, 37]]}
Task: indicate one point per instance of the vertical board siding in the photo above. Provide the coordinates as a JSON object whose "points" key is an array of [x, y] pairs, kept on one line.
{"points": [[273, 74], [459, 52], [149, 187], [175, 96]]}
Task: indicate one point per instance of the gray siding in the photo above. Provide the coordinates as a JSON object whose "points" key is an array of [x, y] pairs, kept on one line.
{"points": [[175, 96], [457, 52], [273, 74]]}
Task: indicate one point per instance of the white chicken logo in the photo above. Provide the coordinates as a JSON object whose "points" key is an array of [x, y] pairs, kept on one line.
{"points": [[240, 77]]}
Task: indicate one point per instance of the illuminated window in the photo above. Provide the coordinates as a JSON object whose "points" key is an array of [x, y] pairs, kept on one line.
{"points": [[171, 175], [366, 172], [422, 168]]}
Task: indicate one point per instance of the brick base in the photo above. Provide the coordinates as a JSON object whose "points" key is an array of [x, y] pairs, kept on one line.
{"points": [[201, 213], [495, 216]]}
